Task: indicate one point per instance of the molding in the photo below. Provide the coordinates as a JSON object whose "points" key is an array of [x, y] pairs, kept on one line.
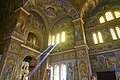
{"points": [[104, 52], [21, 8], [30, 48], [15, 38], [79, 19], [85, 45], [62, 52], [12, 37], [76, 20]]}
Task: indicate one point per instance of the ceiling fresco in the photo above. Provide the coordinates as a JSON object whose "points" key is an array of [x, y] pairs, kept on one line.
{"points": [[102, 5], [81, 6]]}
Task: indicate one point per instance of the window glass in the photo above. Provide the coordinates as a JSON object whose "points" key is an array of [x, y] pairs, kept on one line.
{"points": [[100, 37], [51, 77], [109, 16], [95, 38], [63, 72], [101, 19], [117, 14], [113, 34], [63, 37], [53, 40], [118, 31], [56, 72], [58, 38]]}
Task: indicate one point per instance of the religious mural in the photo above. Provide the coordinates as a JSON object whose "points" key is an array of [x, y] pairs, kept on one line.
{"points": [[70, 71], [104, 62], [54, 16], [8, 68]]}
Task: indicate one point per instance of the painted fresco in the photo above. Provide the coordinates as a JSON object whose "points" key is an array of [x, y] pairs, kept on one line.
{"points": [[105, 62]]}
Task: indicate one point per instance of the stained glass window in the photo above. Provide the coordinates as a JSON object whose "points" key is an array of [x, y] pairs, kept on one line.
{"points": [[118, 31], [63, 37], [101, 19], [109, 16], [100, 37], [95, 38], [117, 14], [63, 72], [113, 34], [56, 72]]}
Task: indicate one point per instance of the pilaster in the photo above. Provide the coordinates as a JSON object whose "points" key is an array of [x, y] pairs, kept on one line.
{"points": [[82, 55]]}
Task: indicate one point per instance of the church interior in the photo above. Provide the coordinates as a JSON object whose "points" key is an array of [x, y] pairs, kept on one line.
{"points": [[59, 39]]}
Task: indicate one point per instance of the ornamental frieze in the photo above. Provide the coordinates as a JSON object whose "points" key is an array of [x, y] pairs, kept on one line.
{"points": [[62, 56], [105, 46]]}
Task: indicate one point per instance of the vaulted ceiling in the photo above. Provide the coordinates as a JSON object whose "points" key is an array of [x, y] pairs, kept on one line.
{"points": [[9, 6]]}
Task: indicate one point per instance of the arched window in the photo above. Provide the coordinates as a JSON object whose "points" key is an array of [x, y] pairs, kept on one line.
{"points": [[101, 19], [32, 38], [53, 40], [100, 37], [97, 38], [56, 72], [63, 37], [118, 31], [117, 14], [109, 16], [58, 38], [63, 72], [24, 70], [51, 77], [113, 34]]}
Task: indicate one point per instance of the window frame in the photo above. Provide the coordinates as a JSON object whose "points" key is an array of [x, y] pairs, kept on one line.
{"points": [[104, 16], [97, 37]]}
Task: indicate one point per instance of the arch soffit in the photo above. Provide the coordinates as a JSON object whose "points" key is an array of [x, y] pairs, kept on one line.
{"points": [[30, 55], [59, 20], [85, 6], [42, 16]]}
